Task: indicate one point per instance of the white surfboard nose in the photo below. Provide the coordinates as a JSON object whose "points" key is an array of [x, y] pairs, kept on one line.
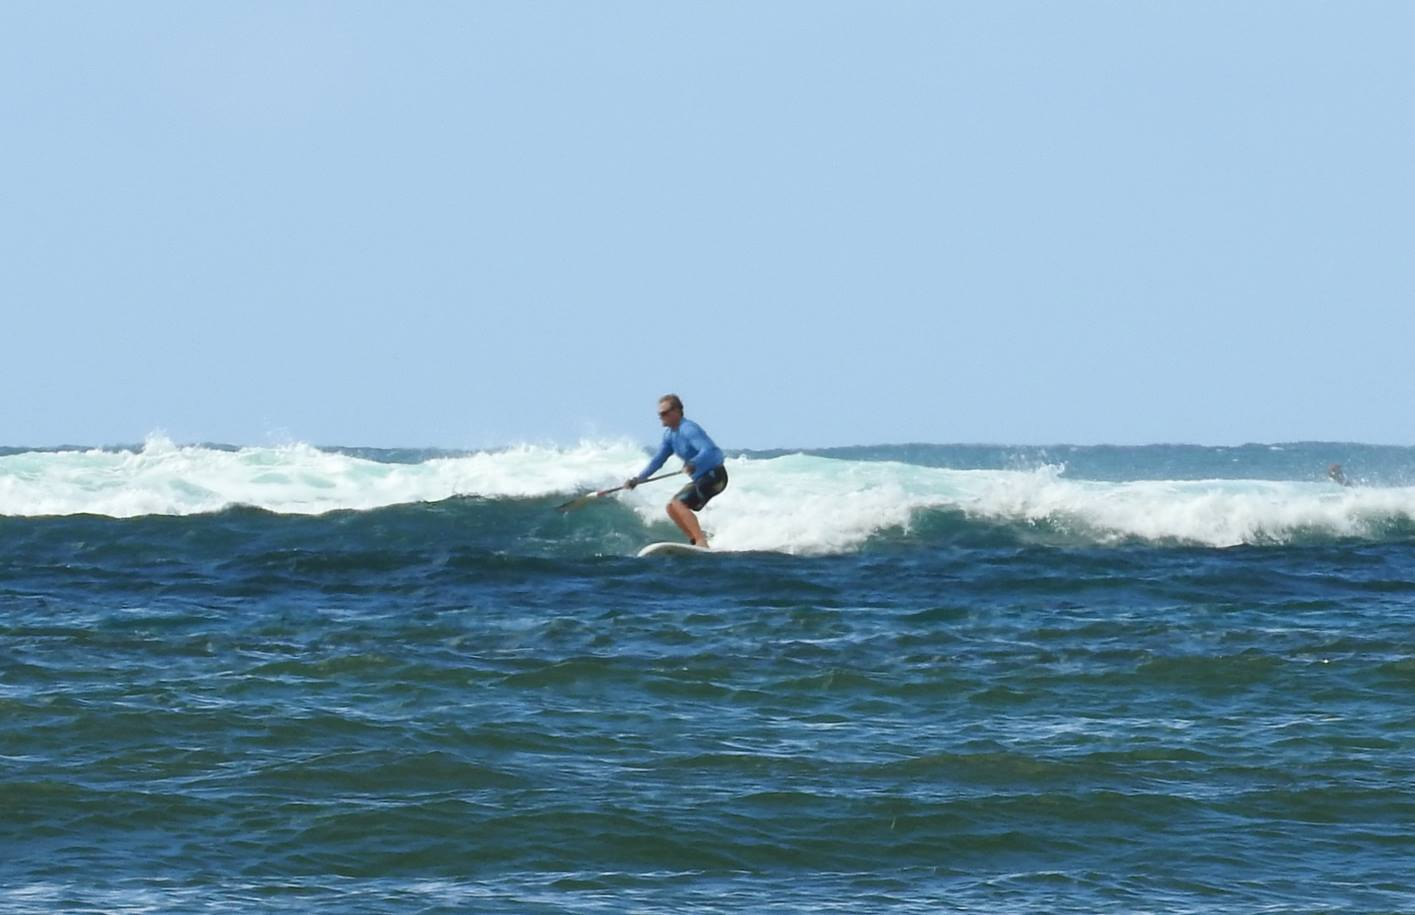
{"points": [[668, 548]]}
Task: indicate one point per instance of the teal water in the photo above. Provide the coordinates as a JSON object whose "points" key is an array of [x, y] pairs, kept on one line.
{"points": [[476, 703]]}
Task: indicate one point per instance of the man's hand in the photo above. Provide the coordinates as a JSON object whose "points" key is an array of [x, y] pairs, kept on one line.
{"points": [[688, 469], [631, 482]]}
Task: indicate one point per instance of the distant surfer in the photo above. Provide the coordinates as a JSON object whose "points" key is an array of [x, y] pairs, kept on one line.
{"points": [[702, 460], [1337, 476]]}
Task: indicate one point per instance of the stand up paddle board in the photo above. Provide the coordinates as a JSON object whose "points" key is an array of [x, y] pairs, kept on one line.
{"points": [[672, 549]]}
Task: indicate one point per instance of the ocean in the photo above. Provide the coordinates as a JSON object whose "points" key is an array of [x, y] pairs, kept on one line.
{"points": [[914, 678]]}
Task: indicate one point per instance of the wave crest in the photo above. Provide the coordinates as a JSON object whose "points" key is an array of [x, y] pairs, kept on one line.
{"points": [[794, 503]]}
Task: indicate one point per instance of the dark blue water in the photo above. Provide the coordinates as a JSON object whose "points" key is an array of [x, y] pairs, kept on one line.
{"points": [[483, 705]]}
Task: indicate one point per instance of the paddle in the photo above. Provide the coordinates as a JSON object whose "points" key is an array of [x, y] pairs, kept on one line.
{"points": [[589, 496]]}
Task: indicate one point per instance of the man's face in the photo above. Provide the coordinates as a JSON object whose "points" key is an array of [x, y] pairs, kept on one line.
{"points": [[668, 415]]}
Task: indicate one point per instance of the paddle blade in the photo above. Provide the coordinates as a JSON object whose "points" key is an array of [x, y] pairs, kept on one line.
{"points": [[578, 502]]}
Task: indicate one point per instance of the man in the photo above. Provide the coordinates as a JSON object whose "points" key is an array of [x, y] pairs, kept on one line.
{"points": [[702, 460]]}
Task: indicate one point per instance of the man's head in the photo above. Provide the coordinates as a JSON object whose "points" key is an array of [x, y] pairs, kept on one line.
{"points": [[670, 410]]}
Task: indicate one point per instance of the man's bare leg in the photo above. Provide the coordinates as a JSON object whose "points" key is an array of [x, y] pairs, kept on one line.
{"points": [[687, 522]]}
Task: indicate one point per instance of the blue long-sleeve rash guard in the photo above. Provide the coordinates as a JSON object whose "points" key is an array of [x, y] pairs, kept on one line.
{"points": [[690, 443]]}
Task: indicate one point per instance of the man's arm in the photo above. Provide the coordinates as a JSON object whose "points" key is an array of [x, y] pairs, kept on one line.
{"points": [[664, 451]]}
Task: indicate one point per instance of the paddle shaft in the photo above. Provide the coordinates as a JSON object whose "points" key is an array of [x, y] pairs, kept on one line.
{"points": [[661, 476], [581, 500]]}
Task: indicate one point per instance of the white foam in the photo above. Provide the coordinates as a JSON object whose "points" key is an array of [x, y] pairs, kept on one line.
{"points": [[1217, 513], [164, 479], [804, 504], [800, 504], [794, 503]]}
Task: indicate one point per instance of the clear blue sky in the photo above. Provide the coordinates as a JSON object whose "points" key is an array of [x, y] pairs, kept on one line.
{"points": [[473, 224]]}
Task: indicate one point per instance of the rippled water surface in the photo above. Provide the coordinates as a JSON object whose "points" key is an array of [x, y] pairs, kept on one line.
{"points": [[482, 705]]}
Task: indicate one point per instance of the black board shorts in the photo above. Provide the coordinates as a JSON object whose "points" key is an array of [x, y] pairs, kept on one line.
{"points": [[699, 492]]}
